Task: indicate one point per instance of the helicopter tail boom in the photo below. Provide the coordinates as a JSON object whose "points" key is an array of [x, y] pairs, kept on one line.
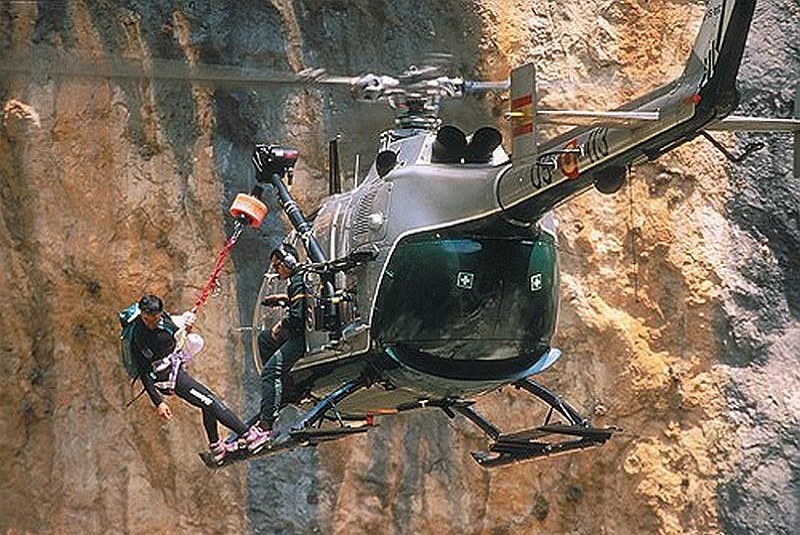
{"points": [[546, 175]]}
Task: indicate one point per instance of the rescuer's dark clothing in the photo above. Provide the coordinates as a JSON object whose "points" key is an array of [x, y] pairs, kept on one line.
{"points": [[150, 347], [279, 355]]}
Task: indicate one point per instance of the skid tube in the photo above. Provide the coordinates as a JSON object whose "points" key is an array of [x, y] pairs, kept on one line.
{"points": [[306, 429], [508, 448], [303, 430]]}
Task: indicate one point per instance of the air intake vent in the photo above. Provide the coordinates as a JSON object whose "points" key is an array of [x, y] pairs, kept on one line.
{"points": [[362, 213]]}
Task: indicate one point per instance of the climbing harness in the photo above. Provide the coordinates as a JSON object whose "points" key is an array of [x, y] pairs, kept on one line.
{"points": [[173, 361]]}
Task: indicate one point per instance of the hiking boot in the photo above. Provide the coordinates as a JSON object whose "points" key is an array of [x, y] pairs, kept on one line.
{"points": [[257, 438], [219, 450]]}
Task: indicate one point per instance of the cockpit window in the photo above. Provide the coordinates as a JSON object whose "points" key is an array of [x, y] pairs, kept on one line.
{"points": [[436, 292]]}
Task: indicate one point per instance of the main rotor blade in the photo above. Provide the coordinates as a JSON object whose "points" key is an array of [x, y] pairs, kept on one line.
{"points": [[478, 86], [58, 63], [738, 123]]}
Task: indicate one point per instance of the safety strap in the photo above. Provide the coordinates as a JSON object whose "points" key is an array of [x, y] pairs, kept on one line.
{"points": [[213, 280], [173, 361]]}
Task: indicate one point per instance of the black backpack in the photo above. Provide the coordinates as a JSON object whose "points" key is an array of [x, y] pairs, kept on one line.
{"points": [[127, 320]]}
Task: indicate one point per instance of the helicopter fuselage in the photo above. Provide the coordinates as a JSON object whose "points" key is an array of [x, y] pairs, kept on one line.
{"points": [[455, 300]]}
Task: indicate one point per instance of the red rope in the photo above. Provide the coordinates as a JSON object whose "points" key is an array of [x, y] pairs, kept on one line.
{"points": [[213, 280]]}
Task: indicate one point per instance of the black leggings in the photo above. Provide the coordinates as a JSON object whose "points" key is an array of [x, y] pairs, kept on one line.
{"points": [[214, 410], [277, 357]]}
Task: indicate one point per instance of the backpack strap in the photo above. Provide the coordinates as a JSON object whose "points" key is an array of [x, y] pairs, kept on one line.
{"points": [[137, 396]]}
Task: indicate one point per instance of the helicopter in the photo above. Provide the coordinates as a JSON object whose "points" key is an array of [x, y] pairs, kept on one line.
{"points": [[436, 277]]}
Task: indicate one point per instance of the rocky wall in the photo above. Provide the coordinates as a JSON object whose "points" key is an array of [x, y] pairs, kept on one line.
{"points": [[680, 296]]}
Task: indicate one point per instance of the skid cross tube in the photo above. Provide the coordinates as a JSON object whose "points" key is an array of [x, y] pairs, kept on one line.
{"points": [[317, 412], [314, 414], [466, 410], [539, 442], [553, 400]]}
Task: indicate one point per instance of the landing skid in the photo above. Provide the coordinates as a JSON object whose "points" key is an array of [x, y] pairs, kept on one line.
{"points": [[539, 442], [302, 430]]}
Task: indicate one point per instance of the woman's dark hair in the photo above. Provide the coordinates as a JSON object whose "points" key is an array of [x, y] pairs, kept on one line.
{"points": [[151, 303]]}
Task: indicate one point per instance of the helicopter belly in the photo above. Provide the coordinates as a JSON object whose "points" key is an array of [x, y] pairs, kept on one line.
{"points": [[398, 383]]}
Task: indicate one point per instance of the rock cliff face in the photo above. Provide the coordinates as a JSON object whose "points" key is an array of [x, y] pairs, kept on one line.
{"points": [[681, 296]]}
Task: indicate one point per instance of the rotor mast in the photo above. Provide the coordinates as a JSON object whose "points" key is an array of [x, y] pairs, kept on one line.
{"points": [[416, 95]]}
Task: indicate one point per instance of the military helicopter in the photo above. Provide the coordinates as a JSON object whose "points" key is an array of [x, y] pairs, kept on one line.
{"points": [[437, 276]]}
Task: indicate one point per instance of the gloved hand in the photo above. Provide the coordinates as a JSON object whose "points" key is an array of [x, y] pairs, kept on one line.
{"points": [[276, 300]]}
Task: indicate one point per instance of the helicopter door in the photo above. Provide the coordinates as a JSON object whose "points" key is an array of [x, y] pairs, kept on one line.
{"points": [[316, 335], [264, 317]]}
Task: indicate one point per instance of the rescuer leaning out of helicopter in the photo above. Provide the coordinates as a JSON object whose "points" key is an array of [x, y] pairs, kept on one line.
{"points": [[281, 346], [160, 360]]}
